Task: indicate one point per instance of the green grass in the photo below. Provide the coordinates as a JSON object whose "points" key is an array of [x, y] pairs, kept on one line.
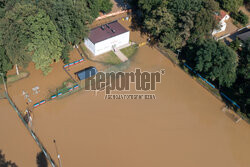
{"points": [[111, 58], [106, 58], [13, 78], [130, 51]]}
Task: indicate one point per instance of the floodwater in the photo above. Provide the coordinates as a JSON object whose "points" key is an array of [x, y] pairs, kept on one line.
{"points": [[15, 141], [184, 126]]}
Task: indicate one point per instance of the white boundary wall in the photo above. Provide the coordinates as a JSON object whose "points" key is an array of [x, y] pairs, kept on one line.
{"points": [[108, 44]]}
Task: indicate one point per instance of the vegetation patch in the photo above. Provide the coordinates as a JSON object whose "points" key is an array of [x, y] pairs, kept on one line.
{"points": [[240, 17], [13, 78], [51, 29], [106, 58], [130, 51]]}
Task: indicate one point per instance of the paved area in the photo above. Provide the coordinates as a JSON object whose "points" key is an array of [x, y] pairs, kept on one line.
{"points": [[120, 55]]}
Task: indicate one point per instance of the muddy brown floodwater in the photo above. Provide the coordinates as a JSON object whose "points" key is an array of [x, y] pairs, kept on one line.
{"points": [[184, 126], [15, 141]]}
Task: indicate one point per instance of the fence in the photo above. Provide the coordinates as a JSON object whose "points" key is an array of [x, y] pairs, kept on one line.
{"points": [[31, 132], [58, 94], [212, 86]]}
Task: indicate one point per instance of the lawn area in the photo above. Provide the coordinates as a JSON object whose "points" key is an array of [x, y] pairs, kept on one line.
{"points": [[130, 51], [13, 78], [106, 58], [111, 58]]}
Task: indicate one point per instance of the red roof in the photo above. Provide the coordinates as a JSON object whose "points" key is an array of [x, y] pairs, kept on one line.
{"points": [[221, 15], [106, 31]]}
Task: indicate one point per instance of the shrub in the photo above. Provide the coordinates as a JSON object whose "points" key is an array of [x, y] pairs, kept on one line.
{"points": [[235, 45], [241, 17]]}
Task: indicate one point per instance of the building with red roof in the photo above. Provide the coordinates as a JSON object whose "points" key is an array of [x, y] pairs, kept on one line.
{"points": [[222, 16], [106, 38]]}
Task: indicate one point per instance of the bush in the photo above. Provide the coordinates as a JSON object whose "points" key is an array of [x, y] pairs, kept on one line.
{"points": [[241, 17], [106, 6], [235, 45], [65, 53]]}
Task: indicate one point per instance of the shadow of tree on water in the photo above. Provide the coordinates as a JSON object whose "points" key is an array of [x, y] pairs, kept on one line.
{"points": [[4, 163], [41, 160]]}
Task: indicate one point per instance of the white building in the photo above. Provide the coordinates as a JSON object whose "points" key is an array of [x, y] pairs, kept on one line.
{"points": [[106, 38], [223, 17]]}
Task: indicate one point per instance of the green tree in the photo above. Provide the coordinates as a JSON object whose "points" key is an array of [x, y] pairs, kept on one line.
{"points": [[204, 21], [70, 17], [97, 6], [217, 62], [241, 17], [12, 36], [5, 64], [94, 7], [231, 5], [105, 6], [235, 45], [65, 53], [194, 19], [165, 22], [29, 34], [243, 80], [244, 61], [184, 20], [44, 45]]}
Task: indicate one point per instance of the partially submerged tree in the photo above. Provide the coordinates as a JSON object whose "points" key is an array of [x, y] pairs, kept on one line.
{"points": [[44, 45], [29, 34]]}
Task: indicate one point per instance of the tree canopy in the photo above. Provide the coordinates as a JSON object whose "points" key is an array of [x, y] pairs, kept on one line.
{"points": [[243, 80], [231, 5], [174, 22], [44, 45], [5, 64], [217, 62], [44, 31]]}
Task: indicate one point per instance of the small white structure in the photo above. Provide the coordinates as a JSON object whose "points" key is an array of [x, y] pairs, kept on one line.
{"points": [[106, 38], [222, 16]]}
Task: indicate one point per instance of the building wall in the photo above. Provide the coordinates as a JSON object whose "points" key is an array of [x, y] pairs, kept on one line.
{"points": [[222, 25], [109, 44], [89, 45]]}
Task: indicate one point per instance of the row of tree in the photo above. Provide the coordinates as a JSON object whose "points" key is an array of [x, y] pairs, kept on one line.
{"points": [[188, 25], [43, 31], [173, 23]]}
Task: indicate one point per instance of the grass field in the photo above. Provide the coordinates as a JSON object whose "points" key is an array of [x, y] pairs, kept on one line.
{"points": [[14, 78], [130, 51]]}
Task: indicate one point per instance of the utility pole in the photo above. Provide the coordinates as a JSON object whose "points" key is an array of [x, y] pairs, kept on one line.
{"points": [[58, 155]]}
